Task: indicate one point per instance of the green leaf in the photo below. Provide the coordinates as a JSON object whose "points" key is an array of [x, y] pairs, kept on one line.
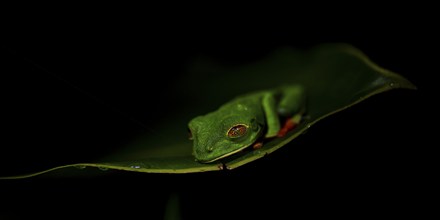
{"points": [[336, 77]]}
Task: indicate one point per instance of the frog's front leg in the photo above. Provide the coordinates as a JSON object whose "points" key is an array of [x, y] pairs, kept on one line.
{"points": [[271, 114]]}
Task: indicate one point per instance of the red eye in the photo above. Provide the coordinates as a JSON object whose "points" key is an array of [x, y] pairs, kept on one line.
{"points": [[237, 131]]}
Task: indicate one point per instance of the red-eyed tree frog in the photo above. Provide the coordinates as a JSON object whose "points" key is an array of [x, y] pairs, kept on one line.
{"points": [[246, 121]]}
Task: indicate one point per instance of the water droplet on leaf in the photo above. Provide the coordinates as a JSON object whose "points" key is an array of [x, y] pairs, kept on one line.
{"points": [[103, 168], [80, 167]]}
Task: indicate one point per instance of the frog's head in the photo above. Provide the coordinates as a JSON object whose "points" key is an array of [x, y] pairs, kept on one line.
{"points": [[217, 136]]}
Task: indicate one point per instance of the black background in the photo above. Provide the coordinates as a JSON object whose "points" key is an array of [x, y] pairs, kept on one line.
{"points": [[365, 160]]}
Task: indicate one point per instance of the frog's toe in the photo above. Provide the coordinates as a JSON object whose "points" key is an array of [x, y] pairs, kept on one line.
{"points": [[257, 145]]}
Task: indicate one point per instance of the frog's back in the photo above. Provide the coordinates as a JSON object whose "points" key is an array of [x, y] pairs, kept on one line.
{"points": [[250, 102]]}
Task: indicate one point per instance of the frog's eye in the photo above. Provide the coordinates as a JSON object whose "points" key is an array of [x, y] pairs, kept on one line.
{"points": [[237, 131]]}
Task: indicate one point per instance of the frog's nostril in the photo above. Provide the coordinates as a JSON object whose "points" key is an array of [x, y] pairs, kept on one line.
{"points": [[210, 149]]}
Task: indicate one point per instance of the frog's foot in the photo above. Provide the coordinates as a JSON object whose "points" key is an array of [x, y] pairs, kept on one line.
{"points": [[257, 145], [289, 125]]}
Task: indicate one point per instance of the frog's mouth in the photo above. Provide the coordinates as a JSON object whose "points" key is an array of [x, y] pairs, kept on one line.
{"points": [[225, 155]]}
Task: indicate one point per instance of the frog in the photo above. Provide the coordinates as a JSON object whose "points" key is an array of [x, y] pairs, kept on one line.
{"points": [[246, 121]]}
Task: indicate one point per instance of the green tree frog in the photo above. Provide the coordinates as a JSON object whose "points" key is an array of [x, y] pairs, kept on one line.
{"points": [[246, 121]]}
